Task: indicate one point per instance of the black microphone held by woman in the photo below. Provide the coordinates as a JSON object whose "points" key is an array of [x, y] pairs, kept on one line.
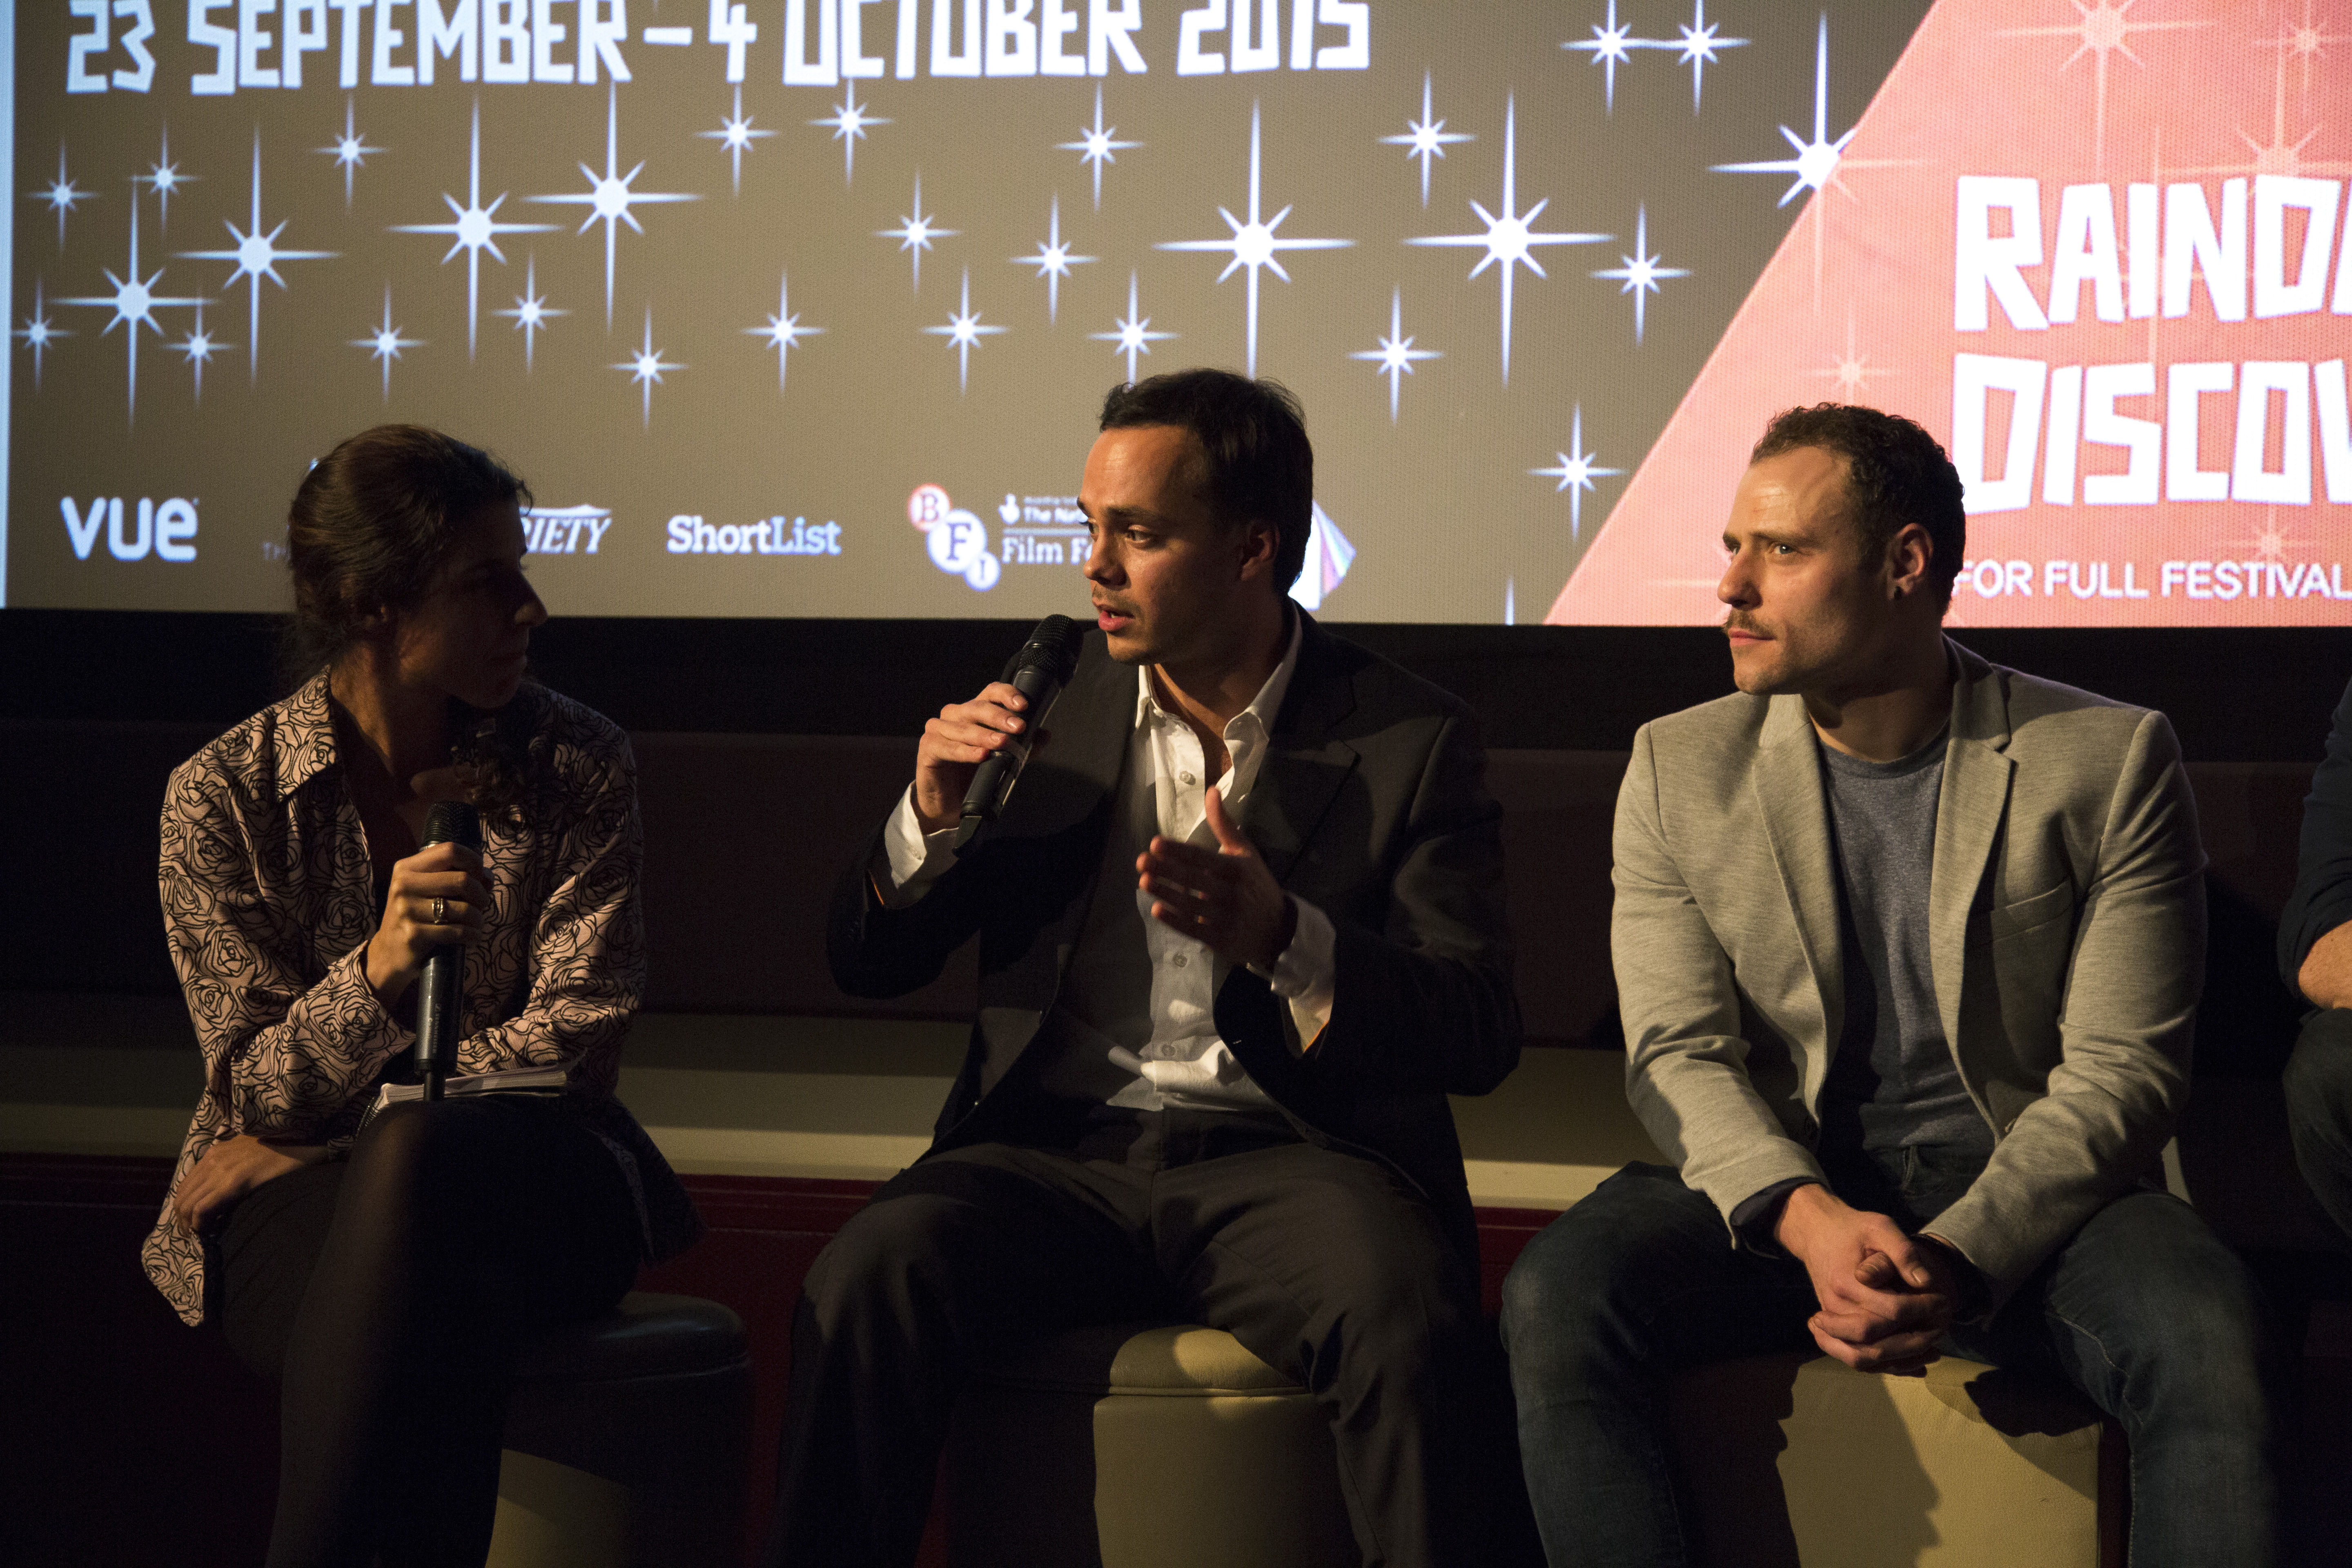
{"points": [[441, 989], [1038, 672]]}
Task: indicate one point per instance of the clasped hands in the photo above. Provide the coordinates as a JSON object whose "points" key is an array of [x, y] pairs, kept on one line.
{"points": [[1885, 1298]]}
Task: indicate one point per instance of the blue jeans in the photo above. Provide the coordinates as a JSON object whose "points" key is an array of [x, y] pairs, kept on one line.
{"points": [[2144, 1311]]}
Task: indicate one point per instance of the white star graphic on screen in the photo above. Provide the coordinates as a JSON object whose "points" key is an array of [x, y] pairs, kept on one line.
{"points": [[257, 256], [1097, 145], [135, 303], [2101, 28], [646, 367], [1508, 238], [62, 194], [530, 311], [963, 332], [1427, 138], [1576, 470], [1639, 276], [1816, 162], [784, 330], [1610, 46], [609, 197], [351, 151], [1052, 261], [2308, 42], [1132, 334], [916, 231], [473, 229], [165, 178], [38, 332], [1850, 373], [1697, 49], [384, 342], [1396, 353], [849, 120], [199, 346], [1254, 244], [2278, 157], [736, 135]]}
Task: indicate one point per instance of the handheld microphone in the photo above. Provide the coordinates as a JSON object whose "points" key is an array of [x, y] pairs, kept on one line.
{"points": [[440, 1000], [1038, 672]]}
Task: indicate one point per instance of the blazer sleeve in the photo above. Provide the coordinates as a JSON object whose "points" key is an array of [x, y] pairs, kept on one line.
{"points": [[1425, 1003], [2322, 900], [1687, 1054], [882, 952], [2125, 1026]]}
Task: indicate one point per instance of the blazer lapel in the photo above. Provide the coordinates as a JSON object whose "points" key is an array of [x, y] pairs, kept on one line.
{"points": [[1968, 815], [1787, 781], [1083, 752], [1305, 762]]}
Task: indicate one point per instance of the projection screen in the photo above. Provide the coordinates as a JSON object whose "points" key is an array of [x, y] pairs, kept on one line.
{"points": [[805, 308]]}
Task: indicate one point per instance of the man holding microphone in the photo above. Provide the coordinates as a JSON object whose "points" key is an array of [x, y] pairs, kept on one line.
{"points": [[1240, 931]]}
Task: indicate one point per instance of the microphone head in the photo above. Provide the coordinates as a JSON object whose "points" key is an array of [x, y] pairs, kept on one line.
{"points": [[1052, 648], [453, 821]]}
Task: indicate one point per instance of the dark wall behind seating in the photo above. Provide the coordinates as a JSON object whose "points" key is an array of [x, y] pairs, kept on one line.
{"points": [[2233, 695]]}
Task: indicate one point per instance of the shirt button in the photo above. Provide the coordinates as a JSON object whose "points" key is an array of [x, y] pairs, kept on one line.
{"points": [[1186, 779], [1180, 961]]}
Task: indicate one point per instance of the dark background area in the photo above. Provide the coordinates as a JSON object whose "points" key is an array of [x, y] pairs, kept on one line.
{"points": [[2233, 695]]}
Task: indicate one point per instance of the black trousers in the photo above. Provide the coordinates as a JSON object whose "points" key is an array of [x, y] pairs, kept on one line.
{"points": [[385, 1296], [1324, 1265]]}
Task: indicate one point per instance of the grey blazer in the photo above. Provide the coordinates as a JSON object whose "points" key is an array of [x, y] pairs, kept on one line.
{"points": [[2067, 919], [1371, 804]]}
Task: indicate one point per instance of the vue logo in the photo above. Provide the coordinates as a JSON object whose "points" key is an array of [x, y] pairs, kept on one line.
{"points": [[168, 529]]}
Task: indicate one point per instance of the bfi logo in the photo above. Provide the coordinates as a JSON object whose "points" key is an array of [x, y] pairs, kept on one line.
{"points": [[168, 529]]}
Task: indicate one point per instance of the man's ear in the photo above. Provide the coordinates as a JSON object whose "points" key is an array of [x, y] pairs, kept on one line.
{"points": [[1909, 554], [1260, 542]]}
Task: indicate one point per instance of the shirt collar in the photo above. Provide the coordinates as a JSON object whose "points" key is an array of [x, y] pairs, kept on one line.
{"points": [[1265, 707]]}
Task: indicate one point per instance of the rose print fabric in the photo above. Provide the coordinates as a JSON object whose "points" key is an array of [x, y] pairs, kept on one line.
{"points": [[269, 904]]}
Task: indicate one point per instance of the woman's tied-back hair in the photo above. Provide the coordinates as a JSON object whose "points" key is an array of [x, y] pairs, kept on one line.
{"points": [[371, 523]]}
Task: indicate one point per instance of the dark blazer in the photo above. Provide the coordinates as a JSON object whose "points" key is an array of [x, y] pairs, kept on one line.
{"points": [[1371, 805]]}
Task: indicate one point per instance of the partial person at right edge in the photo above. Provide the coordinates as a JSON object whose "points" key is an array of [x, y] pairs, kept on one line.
{"points": [[1909, 949], [2316, 960]]}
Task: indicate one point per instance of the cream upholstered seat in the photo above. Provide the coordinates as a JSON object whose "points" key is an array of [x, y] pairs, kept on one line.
{"points": [[1791, 1458], [1142, 1446]]}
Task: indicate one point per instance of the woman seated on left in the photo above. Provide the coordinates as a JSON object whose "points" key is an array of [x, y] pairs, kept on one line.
{"points": [[382, 1265]]}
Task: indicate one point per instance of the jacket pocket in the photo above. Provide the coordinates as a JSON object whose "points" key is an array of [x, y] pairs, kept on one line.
{"points": [[2027, 914]]}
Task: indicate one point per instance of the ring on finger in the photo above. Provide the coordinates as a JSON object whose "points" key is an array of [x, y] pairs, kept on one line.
{"points": [[440, 911]]}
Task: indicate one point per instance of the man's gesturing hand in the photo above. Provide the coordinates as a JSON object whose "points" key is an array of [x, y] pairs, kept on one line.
{"points": [[1886, 1298], [1225, 897], [954, 744]]}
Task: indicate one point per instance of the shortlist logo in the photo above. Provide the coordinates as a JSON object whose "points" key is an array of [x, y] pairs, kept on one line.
{"points": [[779, 535], [565, 529], [167, 528]]}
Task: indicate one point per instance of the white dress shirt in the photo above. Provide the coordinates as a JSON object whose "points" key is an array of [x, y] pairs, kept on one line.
{"points": [[1184, 1065]]}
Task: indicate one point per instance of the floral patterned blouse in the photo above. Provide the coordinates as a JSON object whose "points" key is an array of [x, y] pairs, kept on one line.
{"points": [[270, 904]]}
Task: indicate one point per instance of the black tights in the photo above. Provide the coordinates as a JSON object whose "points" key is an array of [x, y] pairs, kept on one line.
{"points": [[385, 1294]]}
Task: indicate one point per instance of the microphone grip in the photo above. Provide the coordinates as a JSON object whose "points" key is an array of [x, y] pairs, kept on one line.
{"points": [[995, 778], [438, 1008], [440, 993]]}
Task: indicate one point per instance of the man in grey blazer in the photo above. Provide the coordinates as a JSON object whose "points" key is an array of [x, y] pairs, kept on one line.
{"points": [[1909, 948], [1241, 932]]}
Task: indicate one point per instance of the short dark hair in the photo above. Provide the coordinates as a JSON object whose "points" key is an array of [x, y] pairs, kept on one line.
{"points": [[1895, 474], [1255, 463]]}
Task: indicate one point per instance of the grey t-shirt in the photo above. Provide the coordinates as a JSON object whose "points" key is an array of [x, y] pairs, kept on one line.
{"points": [[1893, 1083]]}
